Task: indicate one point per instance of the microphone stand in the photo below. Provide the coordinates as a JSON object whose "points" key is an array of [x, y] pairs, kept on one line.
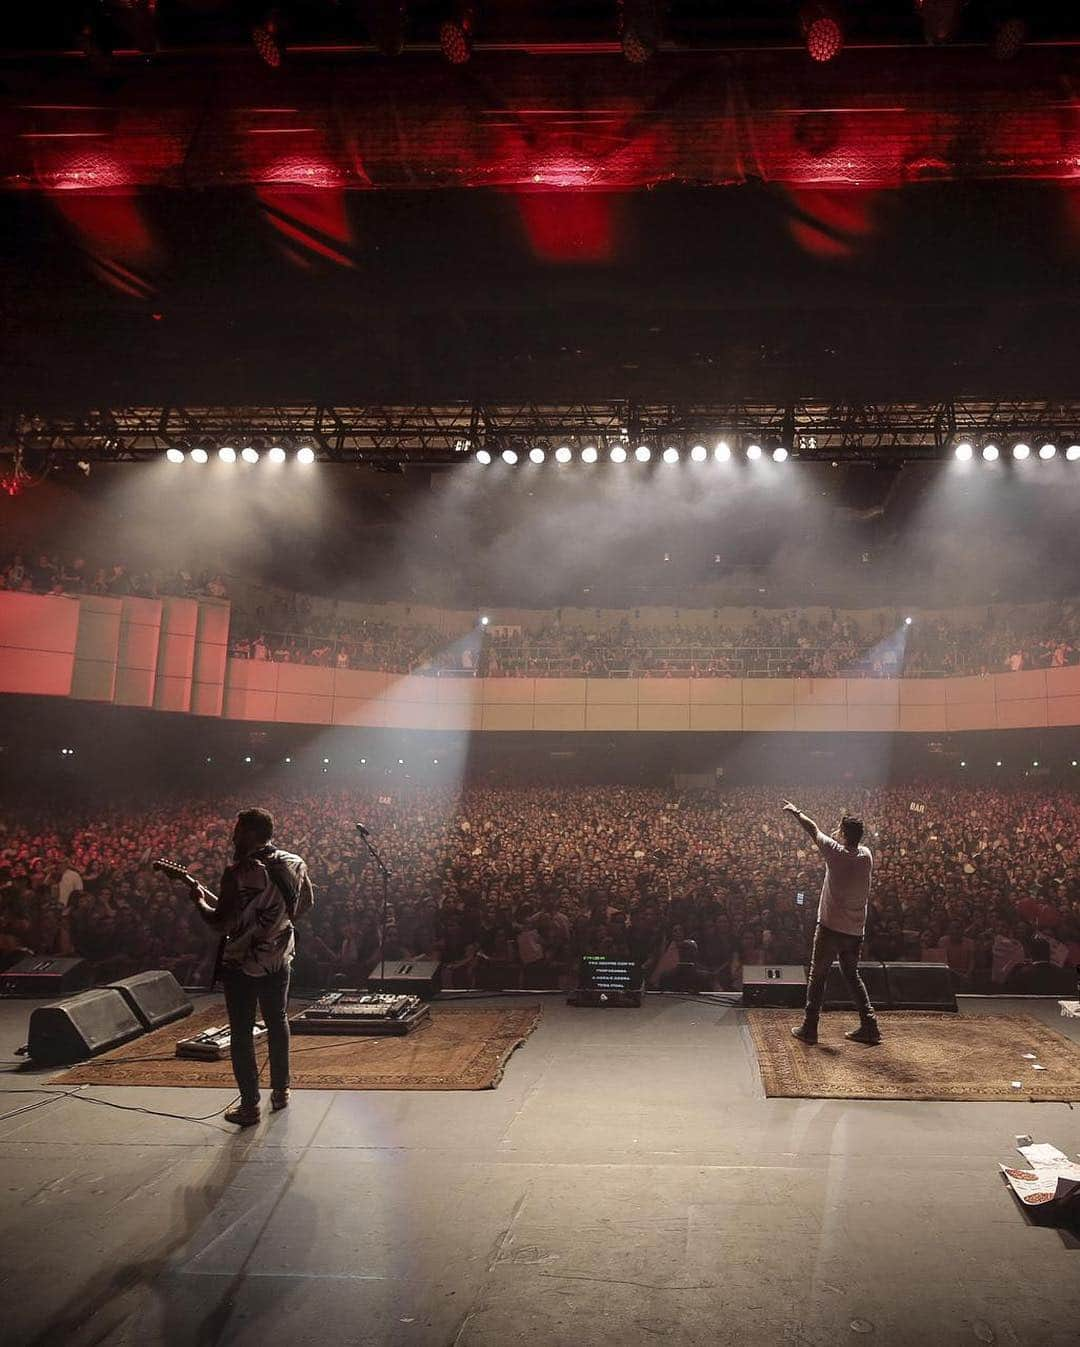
{"points": [[385, 905]]}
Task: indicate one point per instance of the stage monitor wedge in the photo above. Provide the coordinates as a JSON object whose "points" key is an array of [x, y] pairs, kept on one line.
{"points": [[774, 985], [875, 979], [82, 1026], [920, 986], [46, 975], [155, 997], [408, 977]]}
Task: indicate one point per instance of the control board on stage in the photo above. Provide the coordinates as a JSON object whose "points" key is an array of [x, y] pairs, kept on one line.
{"points": [[607, 982], [360, 1012]]}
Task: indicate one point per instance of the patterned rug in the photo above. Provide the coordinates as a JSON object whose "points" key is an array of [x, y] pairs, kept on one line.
{"points": [[458, 1048], [922, 1056]]}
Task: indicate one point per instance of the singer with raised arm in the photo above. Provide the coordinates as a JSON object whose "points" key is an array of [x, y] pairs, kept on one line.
{"points": [[261, 894], [841, 923]]}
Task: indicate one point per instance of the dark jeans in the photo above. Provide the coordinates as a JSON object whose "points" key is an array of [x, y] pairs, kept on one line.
{"points": [[243, 997], [830, 945]]}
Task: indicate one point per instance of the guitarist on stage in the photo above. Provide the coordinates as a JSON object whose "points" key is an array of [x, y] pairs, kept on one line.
{"points": [[262, 893]]}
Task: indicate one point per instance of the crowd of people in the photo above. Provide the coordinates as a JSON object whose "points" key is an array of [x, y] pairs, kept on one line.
{"points": [[510, 885], [775, 645], [55, 573]]}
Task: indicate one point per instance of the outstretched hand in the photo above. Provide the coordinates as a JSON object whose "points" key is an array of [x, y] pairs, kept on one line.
{"points": [[789, 808]]}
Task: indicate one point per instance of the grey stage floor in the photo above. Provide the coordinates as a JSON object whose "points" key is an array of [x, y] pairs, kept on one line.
{"points": [[627, 1183]]}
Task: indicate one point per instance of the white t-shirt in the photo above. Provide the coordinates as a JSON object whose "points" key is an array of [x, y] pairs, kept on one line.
{"points": [[846, 890]]}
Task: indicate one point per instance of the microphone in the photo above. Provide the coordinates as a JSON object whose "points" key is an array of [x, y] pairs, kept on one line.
{"points": [[364, 832]]}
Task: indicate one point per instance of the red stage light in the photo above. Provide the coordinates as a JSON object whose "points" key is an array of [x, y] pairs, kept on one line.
{"points": [[822, 31]]}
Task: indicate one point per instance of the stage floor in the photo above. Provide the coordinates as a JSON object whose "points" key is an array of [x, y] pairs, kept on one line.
{"points": [[627, 1183]]}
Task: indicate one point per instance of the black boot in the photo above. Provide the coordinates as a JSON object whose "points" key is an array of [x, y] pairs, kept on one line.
{"points": [[867, 1032], [807, 1031]]}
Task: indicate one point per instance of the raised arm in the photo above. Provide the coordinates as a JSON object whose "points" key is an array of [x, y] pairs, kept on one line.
{"points": [[803, 820]]}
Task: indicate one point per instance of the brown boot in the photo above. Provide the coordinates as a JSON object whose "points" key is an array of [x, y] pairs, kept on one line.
{"points": [[246, 1115], [279, 1099], [867, 1032]]}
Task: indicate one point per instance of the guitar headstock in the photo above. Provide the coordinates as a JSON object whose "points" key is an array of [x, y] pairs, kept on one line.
{"points": [[174, 870]]}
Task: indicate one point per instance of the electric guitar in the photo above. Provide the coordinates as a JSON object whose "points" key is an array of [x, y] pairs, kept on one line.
{"points": [[174, 870]]}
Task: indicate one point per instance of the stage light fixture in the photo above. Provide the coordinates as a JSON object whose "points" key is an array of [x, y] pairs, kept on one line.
{"points": [[1021, 451], [1073, 452], [722, 452], [998, 763], [483, 457], [753, 452], [589, 454], [643, 453], [199, 455], [174, 455], [990, 453], [822, 30], [618, 454], [276, 454], [227, 453], [964, 451], [536, 454], [456, 33], [305, 455], [908, 621], [268, 37], [1047, 451], [641, 24], [671, 454], [386, 22], [698, 454], [247, 759], [963, 763], [1010, 34], [780, 454], [485, 620], [509, 456], [563, 454], [940, 19]]}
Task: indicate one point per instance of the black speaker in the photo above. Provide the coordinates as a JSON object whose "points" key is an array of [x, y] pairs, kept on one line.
{"points": [[774, 985], [408, 977], [81, 1027], [46, 975], [872, 972], [920, 986], [155, 997]]}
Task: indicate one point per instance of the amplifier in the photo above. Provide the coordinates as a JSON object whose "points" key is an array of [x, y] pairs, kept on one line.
{"points": [[774, 985], [213, 1043], [44, 975], [408, 977]]}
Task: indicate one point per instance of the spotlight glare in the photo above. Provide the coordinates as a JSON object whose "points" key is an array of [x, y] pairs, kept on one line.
{"points": [[537, 455], [753, 452], [199, 456], [563, 454], [485, 620], [722, 452], [990, 453], [482, 456], [276, 454], [1047, 451], [963, 451], [589, 454], [509, 456], [227, 453], [698, 454], [618, 454], [174, 455], [671, 454], [822, 30], [643, 453], [305, 455], [249, 454], [1021, 451], [1073, 452], [908, 621], [780, 454]]}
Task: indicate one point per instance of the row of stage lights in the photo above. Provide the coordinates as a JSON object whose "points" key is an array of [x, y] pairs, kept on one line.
{"points": [[619, 453], [964, 450], [248, 454]]}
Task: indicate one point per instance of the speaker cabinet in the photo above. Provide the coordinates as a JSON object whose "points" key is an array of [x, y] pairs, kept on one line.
{"points": [[408, 977], [774, 985], [872, 972], [920, 986], [155, 997], [81, 1026], [44, 975]]}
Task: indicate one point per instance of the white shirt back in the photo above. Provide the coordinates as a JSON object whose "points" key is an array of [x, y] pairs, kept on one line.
{"points": [[845, 893]]}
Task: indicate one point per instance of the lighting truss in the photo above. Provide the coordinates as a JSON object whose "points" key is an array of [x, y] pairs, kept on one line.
{"points": [[389, 436]]}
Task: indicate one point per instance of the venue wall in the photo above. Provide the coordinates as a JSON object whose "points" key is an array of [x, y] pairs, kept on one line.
{"points": [[172, 655]]}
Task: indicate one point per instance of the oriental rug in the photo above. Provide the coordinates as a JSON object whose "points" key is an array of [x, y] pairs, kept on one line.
{"points": [[458, 1048], [921, 1056]]}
